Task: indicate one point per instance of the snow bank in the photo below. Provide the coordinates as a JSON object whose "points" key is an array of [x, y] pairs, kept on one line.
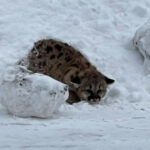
{"points": [[141, 41], [102, 30], [26, 95]]}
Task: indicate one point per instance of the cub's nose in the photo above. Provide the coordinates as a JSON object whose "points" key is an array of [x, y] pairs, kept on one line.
{"points": [[94, 100], [93, 97]]}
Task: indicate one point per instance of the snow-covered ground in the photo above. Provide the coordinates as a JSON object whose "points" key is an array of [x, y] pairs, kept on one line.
{"points": [[103, 31]]}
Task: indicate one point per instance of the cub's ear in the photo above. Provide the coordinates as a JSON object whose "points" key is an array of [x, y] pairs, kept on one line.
{"points": [[109, 81]]}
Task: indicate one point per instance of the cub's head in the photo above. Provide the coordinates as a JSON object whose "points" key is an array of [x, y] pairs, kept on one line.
{"points": [[91, 86]]}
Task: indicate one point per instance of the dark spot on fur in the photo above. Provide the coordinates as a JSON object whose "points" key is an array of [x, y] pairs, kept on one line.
{"points": [[66, 54], [38, 44], [71, 76], [74, 65], [88, 64], [58, 47], [59, 76], [52, 57], [90, 86], [67, 71], [39, 56], [44, 63], [49, 49], [76, 80], [39, 64], [52, 42], [67, 58], [77, 73], [59, 55], [59, 65]]}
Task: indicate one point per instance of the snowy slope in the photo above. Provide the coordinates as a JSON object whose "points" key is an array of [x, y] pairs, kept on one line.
{"points": [[103, 31]]}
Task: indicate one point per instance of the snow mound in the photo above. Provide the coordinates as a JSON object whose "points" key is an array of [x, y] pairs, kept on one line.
{"points": [[141, 41], [25, 94]]}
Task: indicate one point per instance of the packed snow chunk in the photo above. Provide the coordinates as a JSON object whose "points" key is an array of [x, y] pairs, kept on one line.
{"points": [[31, 95], [141, 41]]}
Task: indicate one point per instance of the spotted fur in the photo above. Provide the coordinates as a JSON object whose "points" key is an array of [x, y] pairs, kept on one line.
{"points": [[67, 65]]}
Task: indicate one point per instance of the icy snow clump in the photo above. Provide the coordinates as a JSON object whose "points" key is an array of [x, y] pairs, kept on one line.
{"points": [[141, 41], [26, 94]]}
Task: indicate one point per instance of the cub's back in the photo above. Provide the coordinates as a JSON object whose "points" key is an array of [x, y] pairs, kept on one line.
{"points": [[53, 58]]}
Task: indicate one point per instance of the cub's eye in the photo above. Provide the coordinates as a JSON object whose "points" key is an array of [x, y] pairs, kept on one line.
{"points": [[99, 91], [89, 91]]}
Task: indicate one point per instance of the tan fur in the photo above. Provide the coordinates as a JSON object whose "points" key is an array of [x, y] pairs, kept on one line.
{"points": [[66, 64]]}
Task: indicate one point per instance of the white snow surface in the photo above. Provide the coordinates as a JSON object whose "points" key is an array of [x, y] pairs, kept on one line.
{"points": [[103, 30]]}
